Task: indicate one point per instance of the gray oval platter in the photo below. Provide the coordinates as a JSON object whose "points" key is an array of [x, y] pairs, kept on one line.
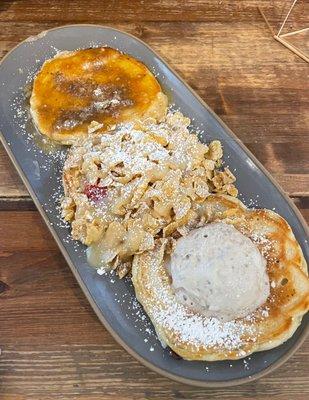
{"points": [[113, 299]]}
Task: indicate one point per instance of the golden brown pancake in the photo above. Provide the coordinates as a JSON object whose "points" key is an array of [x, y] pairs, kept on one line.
{"points": [[101, 84], [196, 337]]}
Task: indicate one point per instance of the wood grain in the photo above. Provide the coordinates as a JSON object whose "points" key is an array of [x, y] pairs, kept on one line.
{"points": [[114, 11], [52, 345]]}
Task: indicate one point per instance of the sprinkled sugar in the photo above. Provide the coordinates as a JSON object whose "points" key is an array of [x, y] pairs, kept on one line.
{"points": [[196, 329]]}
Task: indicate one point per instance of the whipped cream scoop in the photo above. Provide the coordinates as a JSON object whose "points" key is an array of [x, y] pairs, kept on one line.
{"points": [[219, 272]]}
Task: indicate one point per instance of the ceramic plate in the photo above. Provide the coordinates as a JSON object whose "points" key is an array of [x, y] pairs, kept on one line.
{"points": [[40, 168]]}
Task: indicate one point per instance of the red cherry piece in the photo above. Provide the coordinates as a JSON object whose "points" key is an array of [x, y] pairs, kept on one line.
{"points": [[94, 192]]}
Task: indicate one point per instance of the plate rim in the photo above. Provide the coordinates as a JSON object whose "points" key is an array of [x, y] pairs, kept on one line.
{"points": [[86, 291]]}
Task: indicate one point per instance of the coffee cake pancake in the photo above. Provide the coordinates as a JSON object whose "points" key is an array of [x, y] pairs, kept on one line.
{"points": [[93, 89]]}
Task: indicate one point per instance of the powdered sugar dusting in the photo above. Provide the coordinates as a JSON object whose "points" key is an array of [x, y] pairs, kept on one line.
{"points": [[202, 332], [193, 328]]}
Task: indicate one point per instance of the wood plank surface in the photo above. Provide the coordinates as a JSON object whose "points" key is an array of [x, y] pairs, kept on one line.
{"points": [[142, 10], [52, 344]]}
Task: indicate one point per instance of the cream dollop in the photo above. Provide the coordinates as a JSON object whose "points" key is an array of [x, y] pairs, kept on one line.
{"points": [[219, 272]]}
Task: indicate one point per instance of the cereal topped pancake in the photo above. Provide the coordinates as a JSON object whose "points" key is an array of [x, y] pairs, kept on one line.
{"points": [[126, 188], [90, 90]]}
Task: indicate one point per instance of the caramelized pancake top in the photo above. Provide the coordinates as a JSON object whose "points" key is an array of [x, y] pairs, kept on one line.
{"points": [[100, 84]]}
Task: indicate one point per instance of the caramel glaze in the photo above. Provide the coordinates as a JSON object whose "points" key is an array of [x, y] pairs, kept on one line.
{"points": [[97, 84]]}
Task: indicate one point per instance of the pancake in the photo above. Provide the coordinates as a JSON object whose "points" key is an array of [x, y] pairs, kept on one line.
{"points": [[93, 89], [195, 336]]}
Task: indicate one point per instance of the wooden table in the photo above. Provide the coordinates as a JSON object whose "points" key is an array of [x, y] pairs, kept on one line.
{"points": [[53, 346]]}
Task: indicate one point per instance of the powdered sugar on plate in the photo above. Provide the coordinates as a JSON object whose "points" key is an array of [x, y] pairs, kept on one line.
{"points": [[201, 331]]}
